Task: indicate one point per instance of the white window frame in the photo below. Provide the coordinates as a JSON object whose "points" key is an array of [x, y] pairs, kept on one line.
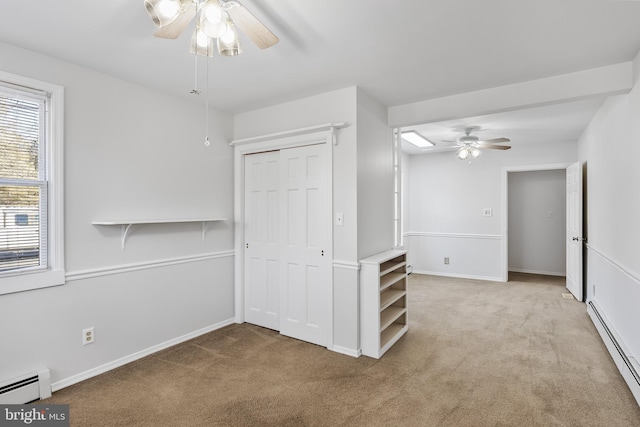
{"points": [[54, 274]]}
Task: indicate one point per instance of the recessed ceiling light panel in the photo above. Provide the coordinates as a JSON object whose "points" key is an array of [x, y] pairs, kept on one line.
{"points": [[417, 139]]}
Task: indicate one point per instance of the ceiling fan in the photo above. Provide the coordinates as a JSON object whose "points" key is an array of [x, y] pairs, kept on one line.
{"points": [[468, 144], [216, 22]]}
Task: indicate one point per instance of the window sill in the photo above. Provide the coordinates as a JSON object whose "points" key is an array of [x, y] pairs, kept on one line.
{"points": [[21, 282]]}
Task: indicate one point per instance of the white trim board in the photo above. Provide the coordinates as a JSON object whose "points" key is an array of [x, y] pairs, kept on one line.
{"points": [[58, 385], [126, 268]]}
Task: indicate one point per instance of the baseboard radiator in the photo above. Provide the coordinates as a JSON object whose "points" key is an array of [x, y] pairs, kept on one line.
{"points": [[26, 388], [627, 365]]}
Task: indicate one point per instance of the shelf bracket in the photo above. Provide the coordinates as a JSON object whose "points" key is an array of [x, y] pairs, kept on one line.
{"points": [[123, 238], [204, 229]]}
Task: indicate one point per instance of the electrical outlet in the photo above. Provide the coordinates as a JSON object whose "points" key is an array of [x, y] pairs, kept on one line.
{"points": [[487, 212], [88, 336], [446, 260]]}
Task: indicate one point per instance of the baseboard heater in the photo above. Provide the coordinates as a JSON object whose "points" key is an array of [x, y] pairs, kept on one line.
{"points": [[625, 363], [26, 388]]}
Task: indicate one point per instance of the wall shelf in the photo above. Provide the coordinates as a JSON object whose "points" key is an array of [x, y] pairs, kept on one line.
{"points": [[127, 224]]}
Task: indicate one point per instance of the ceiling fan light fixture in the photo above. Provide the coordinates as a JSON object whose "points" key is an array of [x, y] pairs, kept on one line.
{"points": [[163, 12], [474, 152], [417, 139], [213, 19], [201, 44], [463, 153], [229, 44]]}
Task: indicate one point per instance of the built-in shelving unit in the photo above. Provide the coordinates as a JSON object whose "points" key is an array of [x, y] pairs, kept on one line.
{"points": [[127, 224], [383, 304]]}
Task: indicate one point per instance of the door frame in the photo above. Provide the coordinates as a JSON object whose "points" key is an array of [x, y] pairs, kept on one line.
{"points": [[505, 205], [322, 134]]}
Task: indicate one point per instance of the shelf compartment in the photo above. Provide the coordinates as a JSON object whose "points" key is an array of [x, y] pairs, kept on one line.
{"points": [[391, 296], [391, 265], [390, 279], [390, 315], [389, 336]]}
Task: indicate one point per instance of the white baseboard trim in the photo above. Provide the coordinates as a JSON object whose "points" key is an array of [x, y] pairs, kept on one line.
{"points": [[459, 276], [346, 351], [135, 356], [126, 268], [545, 273], [628, 366]]}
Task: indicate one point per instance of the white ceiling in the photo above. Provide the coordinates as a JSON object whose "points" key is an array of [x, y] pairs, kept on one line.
{"points": [[549, 124], [397, 51]]}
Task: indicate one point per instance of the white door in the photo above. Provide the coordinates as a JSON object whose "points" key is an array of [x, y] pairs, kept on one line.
{"points": [[262, 240], [304, 255], [574, 230]]}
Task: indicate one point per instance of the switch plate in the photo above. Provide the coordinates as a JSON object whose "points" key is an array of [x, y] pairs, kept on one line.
{"points": [[339, 219], [487, 212]]}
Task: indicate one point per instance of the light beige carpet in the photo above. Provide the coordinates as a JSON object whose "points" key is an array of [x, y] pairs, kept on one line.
{"points": [[477, 354]]}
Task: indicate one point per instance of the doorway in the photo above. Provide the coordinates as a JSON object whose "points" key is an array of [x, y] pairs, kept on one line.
{"points": [[286, 256], [316, 313], [537, 222], [506, 232]]}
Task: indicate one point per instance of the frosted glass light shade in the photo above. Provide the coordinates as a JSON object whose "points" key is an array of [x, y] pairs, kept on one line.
{"points": [[213, 20], [229, 44], [163, 12], [463, 153], [201, 44]]}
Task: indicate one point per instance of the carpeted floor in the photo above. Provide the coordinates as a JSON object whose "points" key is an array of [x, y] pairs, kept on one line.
{"points": [[477, 354]]}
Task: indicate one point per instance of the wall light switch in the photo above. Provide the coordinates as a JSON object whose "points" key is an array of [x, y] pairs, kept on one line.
{"points": [[487, 212], [339, 219]]}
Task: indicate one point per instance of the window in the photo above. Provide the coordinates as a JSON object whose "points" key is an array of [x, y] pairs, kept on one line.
{"points": [[30, 184]]}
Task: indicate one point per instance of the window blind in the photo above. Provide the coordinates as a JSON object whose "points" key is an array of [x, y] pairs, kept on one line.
{"points": [[23, 184]]}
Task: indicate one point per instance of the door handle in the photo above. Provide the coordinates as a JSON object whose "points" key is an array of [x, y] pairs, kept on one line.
{"points": [[578, 239]]}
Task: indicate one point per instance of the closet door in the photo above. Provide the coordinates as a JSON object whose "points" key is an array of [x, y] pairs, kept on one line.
{"points": [[304, 256], [262, 237]]}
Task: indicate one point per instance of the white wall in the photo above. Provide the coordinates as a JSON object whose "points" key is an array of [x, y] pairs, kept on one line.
{"points": [[446, 198], [375, 178], [537, 222], [609, 150], [130, 152]]}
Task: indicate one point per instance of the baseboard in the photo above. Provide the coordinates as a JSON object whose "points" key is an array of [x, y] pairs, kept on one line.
{"points": [[628, 366], [545, 273], [347, 351], [135, 356], [459, 276]]}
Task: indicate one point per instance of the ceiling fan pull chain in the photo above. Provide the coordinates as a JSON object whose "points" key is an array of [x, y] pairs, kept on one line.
{"points": [[195, 90], [206, 106]]}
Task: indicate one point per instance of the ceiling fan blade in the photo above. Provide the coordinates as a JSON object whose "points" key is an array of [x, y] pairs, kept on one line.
{"points": [[494, 140], [495, 147], [173, 30], [447, 140], [260, 35]]}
